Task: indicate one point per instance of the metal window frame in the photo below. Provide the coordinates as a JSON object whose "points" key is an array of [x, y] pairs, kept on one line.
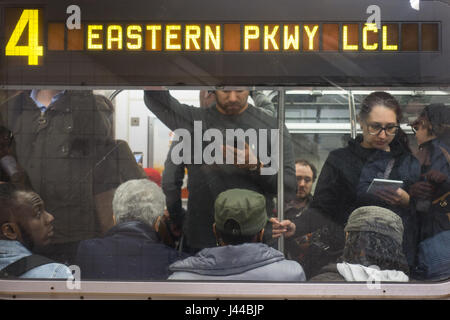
{"points": [[36, 289]]}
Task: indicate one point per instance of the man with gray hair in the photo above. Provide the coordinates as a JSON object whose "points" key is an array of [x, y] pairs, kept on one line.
{"points": [[133, 248]]}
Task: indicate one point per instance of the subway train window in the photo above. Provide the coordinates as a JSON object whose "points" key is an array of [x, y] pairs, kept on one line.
{"points": [[295, 151]]}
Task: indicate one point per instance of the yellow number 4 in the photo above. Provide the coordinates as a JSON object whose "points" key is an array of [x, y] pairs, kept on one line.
{"points": [[33, 50]]}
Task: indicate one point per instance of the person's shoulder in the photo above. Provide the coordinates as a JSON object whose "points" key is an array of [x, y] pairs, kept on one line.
{"points": [[80, 94], [288, 270], [103, 102], [18, 101], [440, 144], [61, 271], [93, 245], [51, 270], [340, 151], [260, 114], [339, 154]]}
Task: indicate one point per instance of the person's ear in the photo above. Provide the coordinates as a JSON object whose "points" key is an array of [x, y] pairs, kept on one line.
{"points": [[10, 231], [155, 225], [261, 235], [361, 124]]}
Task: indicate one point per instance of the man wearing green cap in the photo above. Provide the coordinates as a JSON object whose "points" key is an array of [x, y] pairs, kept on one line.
{"points": [[240, 217]]}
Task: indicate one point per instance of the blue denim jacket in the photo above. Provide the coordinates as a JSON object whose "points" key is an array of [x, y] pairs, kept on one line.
{"points": [[11, 251]]}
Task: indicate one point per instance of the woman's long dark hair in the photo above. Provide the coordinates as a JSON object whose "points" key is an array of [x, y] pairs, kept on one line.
{"points": [[381, 98]]}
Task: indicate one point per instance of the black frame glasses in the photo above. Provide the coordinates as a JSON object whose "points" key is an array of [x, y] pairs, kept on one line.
{"points": [[375, 129]]}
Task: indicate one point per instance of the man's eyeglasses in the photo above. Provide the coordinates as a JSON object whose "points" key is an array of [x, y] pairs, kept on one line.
{"points": [[376, 128]]}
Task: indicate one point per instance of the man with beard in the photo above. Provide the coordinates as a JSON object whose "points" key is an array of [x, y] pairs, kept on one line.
{"points": [[25, 226], [306, 174], [206, 181]]}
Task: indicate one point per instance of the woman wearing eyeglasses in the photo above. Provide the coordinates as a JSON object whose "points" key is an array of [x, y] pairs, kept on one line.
{"points": [[352, 167], [380, 118], [392, 159]]}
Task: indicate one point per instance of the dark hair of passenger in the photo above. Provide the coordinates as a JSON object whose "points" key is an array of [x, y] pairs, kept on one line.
{"points": [[232, 234], [381, 98], [371, 248], [442, 128], [7, 201], [305, 163]]}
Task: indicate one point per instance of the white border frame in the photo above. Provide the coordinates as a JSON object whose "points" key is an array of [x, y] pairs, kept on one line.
{"points": [[37, 289]]}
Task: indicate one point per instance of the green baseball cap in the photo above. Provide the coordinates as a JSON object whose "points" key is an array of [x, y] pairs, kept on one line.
{"points": [[246, 207]]}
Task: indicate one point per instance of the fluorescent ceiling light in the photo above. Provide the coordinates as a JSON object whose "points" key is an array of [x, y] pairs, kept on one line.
{"points": [[415, 4]]}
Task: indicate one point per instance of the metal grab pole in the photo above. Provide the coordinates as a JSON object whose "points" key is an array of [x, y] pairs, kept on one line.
{"points": [[280, 200], [352, 111]]}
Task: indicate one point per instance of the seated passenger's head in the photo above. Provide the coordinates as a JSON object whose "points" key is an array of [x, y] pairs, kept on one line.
{"points": [[379, 119], [240, 217], [433, 121], [305, 173], [138, 200], [23, 217], [374, 236]]}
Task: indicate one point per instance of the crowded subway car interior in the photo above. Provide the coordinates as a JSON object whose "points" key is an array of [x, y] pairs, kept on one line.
{"points": [[261, 149]]}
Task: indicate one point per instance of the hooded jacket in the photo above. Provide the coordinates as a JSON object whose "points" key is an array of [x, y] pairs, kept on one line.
{"points": [[248, 261], [129, 251]]}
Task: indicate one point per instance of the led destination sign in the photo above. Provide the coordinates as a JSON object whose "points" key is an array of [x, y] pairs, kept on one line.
{"points": [[28, 36]]}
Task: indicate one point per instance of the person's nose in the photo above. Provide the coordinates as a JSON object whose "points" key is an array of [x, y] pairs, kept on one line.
{"points": [[382, 134], [232, 96], [49, 217]]}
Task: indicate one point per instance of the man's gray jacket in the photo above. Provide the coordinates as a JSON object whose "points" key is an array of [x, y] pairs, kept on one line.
{"points": [[248, 261]]}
